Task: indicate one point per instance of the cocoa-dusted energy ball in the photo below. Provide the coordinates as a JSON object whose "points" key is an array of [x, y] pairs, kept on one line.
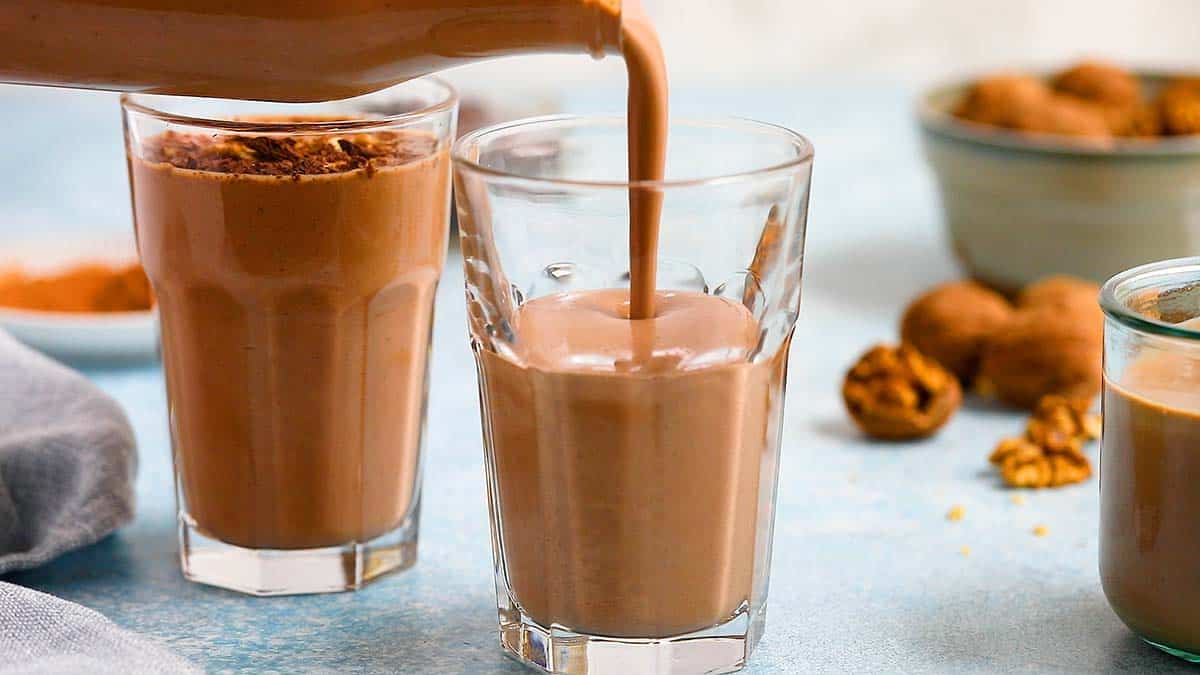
{"points": [[951, 322]]}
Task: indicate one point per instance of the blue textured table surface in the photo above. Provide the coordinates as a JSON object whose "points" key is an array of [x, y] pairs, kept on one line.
{"points": [[868, 572]]}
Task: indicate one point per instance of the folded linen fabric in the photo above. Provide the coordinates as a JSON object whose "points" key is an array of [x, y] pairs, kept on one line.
{"points": [[67, 459], [44, 635]]}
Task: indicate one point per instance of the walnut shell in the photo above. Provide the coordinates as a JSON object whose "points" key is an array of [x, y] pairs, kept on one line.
{"points": [[1043, 350], [1182, 117], [1028, 104], [1180, 104], [1069, 116], [951, 322], [896, 393], [1140, 120], [1100, 82], [1062, 291], [1003, 100]]}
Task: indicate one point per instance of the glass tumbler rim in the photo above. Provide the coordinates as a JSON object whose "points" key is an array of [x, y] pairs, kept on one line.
{"points": [[445, 99], [804, 157], [1112, 298]]}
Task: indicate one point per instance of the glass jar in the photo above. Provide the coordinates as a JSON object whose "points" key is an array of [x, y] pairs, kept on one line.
{"points": [[1150, 459]]}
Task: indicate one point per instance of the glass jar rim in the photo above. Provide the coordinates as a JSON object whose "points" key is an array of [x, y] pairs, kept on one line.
{"points": [[1113, 306], [445, 99], [803, 156]]}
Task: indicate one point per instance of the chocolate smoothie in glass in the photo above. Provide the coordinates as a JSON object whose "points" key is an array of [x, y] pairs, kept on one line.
{"points": [[632, 416], [648, 441], [632, 358], [1150, 508], [294, 252]]}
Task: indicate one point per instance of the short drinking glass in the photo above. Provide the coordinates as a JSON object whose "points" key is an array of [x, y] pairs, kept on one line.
{"points": [[632, 464]]}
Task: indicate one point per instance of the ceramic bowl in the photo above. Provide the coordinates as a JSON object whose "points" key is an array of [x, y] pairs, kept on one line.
{"points": [[1018, 207]]}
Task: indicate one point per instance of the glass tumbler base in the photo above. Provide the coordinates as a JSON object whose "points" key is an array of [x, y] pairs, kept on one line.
{"points": [[720, 649], [1180, 653], [331, 569]]}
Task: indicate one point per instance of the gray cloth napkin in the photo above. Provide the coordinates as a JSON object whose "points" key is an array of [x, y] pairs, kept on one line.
{"points": [[67, 460], [43, 635]]}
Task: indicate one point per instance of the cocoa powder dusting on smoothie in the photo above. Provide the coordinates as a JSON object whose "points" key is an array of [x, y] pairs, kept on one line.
{"points": [[287, 155]]}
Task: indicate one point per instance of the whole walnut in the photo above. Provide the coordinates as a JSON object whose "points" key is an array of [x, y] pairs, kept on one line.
{"points": [[951, 322], [1040, 350], [1140, 120], [1004, 100], [1026, 103], [1181, 88], [896, 393], [1100, 82], [1180, 104], [1062, 291], [1068, 116], [1182, 117]]}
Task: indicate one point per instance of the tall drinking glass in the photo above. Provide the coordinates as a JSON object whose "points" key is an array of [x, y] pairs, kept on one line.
{"points": [[294, 251], [631, 464]]}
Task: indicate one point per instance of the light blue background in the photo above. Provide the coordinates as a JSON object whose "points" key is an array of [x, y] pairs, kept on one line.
{"points": [[867, 571]]}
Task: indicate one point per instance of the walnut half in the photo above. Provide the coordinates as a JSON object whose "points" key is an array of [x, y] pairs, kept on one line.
{"points": [[1050, 453], [897, 393]]}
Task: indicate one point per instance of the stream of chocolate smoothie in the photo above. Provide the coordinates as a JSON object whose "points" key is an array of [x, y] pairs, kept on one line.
{"points": [[647, 118]]}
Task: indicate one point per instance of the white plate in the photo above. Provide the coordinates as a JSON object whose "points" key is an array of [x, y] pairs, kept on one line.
{"points": [[101, 337]]}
